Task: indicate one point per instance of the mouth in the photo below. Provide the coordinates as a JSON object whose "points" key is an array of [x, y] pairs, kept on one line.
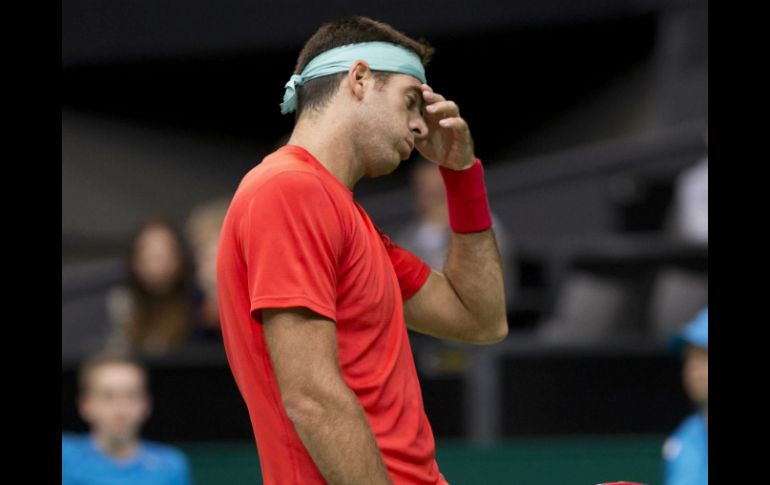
{"points": [[410, 144]]}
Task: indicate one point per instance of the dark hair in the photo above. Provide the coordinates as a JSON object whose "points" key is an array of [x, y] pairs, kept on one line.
{"points": [[103, 359], [349, 30], [167, 314]]}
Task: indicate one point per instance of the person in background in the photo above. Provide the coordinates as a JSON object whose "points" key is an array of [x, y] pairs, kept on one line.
{"points": [[152, 313], [427, 235], [685, 452], [114, 401], [202, 230], [690, 213], [678, 291]]}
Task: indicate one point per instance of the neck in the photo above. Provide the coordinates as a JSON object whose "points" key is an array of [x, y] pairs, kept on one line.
{"points": [[116, 448], [324, 137]]}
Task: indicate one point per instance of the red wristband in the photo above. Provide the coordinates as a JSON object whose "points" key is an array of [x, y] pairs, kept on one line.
{"points": [[466, 197]]}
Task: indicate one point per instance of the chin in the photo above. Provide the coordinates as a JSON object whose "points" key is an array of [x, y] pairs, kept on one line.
{"points": [[380, 173], [391, 168], [384, 168]]}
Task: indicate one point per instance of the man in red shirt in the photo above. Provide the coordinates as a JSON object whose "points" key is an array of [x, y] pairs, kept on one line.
{"points": [[315, 301]]}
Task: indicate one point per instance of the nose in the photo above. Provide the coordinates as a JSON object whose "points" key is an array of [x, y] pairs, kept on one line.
{"points": [[418, 127]]}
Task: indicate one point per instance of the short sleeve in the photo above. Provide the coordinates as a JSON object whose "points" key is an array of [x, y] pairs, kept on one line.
{"points": [[291, 238], [678, 469], [685, 456], [412, 271], [184, 476]]}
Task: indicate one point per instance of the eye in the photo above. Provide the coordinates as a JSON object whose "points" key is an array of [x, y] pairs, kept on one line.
{"points": [[412, 103]]}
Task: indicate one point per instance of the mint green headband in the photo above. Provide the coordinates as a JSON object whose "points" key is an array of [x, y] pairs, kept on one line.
{"points": [[381, 56]]}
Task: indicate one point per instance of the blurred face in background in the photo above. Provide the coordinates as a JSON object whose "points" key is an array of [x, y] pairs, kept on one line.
{"points": [[206, 271], [430, 194], [114, 401], [203, 229], [695, 374], [157, 260]]}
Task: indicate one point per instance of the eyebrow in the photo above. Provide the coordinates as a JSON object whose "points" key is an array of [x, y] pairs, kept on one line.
{"points": [[418, 92]]}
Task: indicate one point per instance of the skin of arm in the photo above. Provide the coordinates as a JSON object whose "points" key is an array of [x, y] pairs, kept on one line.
{"points": [[326, 414], [465, 302]]}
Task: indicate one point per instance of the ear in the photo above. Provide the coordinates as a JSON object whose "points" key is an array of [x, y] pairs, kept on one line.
{"points": [[359, 75]]}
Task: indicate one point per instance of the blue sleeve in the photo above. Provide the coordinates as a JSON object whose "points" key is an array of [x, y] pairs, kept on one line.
{"points": [[682, 461], [675, 470], [67, 450], [184, 473]]}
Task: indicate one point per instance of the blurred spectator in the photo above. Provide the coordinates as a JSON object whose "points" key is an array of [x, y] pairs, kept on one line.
{"points": [[690, 216], [114, 401], [202, 229], [594, 306], [685, 453], [152, 313], [678, 292], [427, 234]]}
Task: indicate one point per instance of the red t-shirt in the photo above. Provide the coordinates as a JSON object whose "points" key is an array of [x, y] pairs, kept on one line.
{"points": [[294, 236]]}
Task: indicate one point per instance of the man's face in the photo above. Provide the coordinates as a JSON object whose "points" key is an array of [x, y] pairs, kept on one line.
{"points": [[695, 374], [115, 402], [388, 124]]}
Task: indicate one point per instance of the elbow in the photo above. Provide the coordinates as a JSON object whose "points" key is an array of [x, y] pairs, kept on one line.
{"points": [[308, 410], [494, 333], [302, 410], [500, 331]]}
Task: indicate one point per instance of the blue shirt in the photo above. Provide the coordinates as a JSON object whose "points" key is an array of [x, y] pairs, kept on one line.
{"points": [[686, 453], [83, 463]]}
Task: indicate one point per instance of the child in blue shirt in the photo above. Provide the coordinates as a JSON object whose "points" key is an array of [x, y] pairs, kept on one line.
{"points": [[685, 452], [115, 403]]}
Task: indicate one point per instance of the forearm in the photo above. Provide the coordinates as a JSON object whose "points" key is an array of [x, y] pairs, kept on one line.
{"points": [[473, 266], [337, 436], [474, 270]]}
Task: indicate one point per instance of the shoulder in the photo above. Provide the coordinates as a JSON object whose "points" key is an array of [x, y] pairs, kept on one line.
{"points": [[74, 448], [288, 188], [689, 432], [692, 425], [292, 199], [283, 168], [71, 441], [168, 456]]}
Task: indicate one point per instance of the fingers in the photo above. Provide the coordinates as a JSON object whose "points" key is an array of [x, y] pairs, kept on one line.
{"points": [[448, 111], [437, 105], [456, 123], [429, 96], [443, 108]]}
